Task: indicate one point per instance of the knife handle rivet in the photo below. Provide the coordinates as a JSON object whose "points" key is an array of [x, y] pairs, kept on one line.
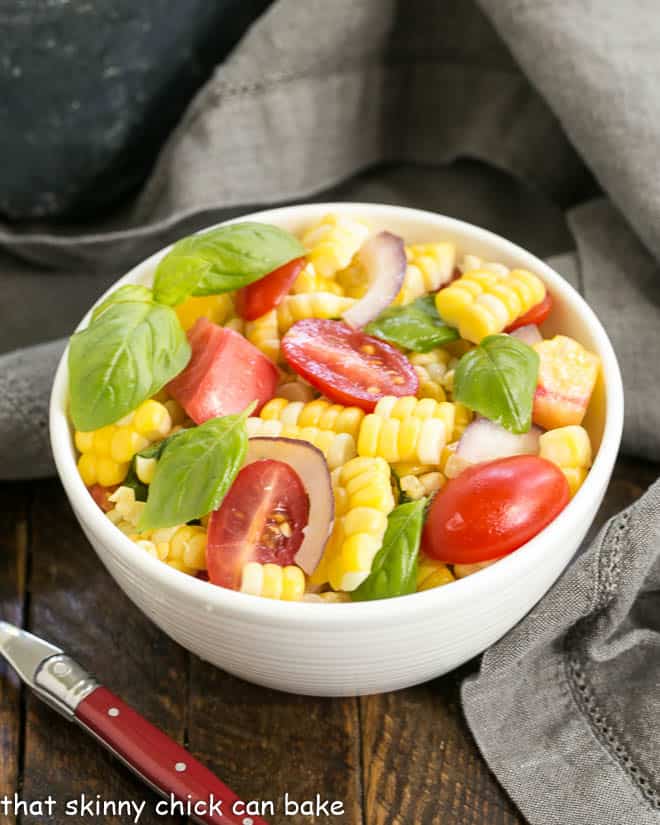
{"points": [[113, 712], [180, 767], [61, 669]]}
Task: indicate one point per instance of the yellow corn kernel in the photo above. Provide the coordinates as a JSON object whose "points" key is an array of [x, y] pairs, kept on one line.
{"points": [[473, 262], [567, 446], [432, 482], [435, 261], [310, 281], [310, 305], [482, 302], [152, 419], [353, 279], [412, 487], [110, 472], [403, 468], [334, 597], [420, 408], [413, 286], [263, 332], [363, 488], [272, 581], [87, 467], [177, 564], [187, 540], [102, 440], [408, 440], [216, 308], [432, 573], [570, 449], [145, 469], [332, 243], [194, 552], [84, 441], [126, 505], [318, 413], [462, 417], [337, 448], [126, 443]]}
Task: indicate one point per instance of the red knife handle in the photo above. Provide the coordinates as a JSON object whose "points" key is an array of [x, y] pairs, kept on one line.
{"points": [[166, 766]]}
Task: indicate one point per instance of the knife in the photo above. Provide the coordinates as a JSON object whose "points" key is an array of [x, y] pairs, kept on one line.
{"points": [[158, 760]]}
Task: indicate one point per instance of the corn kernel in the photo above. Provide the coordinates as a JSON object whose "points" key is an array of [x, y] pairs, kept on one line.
{"points": [[84, 441], [111, 472], [126, 443], [152, 420], [87, 467], [145, 468]]}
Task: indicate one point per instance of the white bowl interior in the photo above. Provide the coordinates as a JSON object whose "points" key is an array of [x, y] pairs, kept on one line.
{"points": [[159, 590]]}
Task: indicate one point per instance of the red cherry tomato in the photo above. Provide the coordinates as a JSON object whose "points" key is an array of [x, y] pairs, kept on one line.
{"points": [[101, 496], [536, 315], [494, 508], [261, 518], [257, 299], [348, 366]]}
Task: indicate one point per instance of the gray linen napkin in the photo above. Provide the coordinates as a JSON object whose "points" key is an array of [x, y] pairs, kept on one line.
{"points": [[566, 707], [318, 92]]}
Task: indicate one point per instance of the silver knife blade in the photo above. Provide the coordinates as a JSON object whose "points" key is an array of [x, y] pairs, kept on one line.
{"points": [[24, 652]]}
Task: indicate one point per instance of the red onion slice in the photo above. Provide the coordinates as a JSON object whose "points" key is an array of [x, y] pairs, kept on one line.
{"points": [[483, 440], [312, 468], [383, 257], [529, 334]]}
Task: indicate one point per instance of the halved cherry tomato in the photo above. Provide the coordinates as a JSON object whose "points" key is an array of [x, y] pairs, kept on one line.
{"points": [[494, 508], [257, 299], [261, 518], [348, 366], [536, 315]]}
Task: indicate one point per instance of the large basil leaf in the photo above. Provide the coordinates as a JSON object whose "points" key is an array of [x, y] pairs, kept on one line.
{"points": [[125, 356], [416, 326], [194, 472], [498, 380], [394, 568], [128, 292], [223, 259]]}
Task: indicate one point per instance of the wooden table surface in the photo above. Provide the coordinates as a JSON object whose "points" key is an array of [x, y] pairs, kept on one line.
{"points": [[406, 758]]}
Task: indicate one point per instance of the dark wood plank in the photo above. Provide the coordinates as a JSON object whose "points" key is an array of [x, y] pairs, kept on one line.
{"points": [[421, 764], [75, 604], [264, 744], [13, 559]]}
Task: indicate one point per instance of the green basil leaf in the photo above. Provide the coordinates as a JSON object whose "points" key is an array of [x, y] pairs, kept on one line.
{"points": [[223, 259], [155, 450], [125, 356], [394, 568], [415, 326], [498, 380], [194, 472], [128, 292]]}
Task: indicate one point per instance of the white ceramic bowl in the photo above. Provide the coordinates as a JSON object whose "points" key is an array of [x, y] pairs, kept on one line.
{"points": [[366, 647]]}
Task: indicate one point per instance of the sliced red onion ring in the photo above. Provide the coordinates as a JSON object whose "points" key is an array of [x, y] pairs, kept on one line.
{"points": [[383, 257], [483, 440], [312, 468], [529, 334]]}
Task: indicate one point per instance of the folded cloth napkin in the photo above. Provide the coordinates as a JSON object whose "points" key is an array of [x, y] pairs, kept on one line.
{"points": [[318, 92], [566, 707]]}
